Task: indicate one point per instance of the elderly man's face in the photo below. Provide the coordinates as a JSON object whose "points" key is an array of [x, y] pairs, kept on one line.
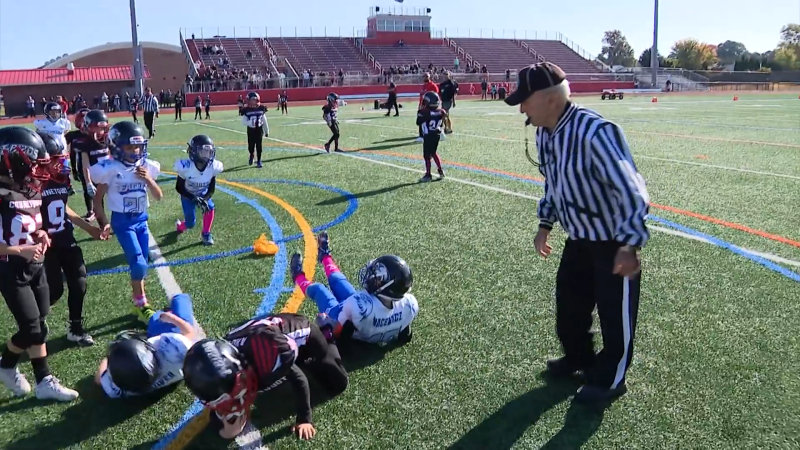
{"points": [[536, 107]]}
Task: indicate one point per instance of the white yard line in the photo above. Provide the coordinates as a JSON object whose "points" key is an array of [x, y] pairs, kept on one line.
{"points": [[165, 277], [771, 257]]}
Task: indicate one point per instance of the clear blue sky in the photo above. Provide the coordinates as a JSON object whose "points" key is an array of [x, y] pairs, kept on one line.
{"points": [[26, 43]]}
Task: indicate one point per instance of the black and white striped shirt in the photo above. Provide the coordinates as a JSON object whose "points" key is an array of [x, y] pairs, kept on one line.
{"points": [[150, 104], [591, 183]]}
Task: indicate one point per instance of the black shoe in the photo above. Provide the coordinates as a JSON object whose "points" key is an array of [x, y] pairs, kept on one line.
{"points": [[296, 265], [594, 394], [563, 368]]}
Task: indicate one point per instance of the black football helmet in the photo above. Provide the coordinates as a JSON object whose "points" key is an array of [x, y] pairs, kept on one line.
{"points": [[386, 277], [58, 167], [23, 159], [52, 111], [431, 100], [217, 374], [132, 363], [95, 124], [201, 151], [333, 98], [127, 143], [79, 118], [253, 99]]}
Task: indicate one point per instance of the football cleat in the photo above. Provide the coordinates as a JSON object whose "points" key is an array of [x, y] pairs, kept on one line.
{"points": [[51, 389], [180, 226], [258, 164], [15, 381], [207, 239], [323, 246], [441, 173], [426, 178], [328, 148], [420, 139], [296, 265], [76, 333], [250, 162]]}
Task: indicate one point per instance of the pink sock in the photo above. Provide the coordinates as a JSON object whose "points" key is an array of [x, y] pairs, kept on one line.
{"points": [[303, 282], [181, 227], [208, 220], [139, 301], [330, 265], [437, 161]]}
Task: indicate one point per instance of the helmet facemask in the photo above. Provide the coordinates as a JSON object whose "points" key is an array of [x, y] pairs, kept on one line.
{"points": [[238, 402]]}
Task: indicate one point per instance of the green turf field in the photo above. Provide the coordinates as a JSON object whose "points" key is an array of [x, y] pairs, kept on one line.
{"points": [[716, 363]]}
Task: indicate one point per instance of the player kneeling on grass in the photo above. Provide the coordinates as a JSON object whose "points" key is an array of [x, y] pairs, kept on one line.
{"points": [[197, 179], [257, 356], [126, 180], [139, 365], [430, 120], [63, 260], [381, 313]]}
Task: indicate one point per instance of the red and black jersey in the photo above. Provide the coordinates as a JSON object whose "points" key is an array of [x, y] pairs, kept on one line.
{"points": [[431, 121], [283, 99], [54, 213], [20, 217], [86, 144], [271, 346], [71, 135]]}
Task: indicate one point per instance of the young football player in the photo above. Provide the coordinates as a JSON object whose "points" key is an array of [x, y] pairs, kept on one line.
{"points": [[428, 86], [381, 313], [64, 259], [126, 180], [329, 114], [254, 117], [70, 137], [93, 148], [226, 375], [197, 180], [137, 364], [430, 120], [283, 102], [55, 123], [23, 244]]}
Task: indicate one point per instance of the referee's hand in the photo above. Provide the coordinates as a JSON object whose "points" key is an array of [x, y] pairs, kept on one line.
{"points": [[540, 242], [628, 261]]}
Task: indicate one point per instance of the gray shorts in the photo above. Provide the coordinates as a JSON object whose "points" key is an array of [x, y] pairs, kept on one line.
{"points": [[446, 105]]}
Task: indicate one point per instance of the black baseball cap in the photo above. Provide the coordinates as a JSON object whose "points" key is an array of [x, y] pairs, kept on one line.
{"points": [[534, 78]]}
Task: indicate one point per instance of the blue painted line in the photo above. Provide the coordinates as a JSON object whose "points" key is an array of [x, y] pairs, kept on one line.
{"points": [[728, 246], [352, 206], [268, 301]]}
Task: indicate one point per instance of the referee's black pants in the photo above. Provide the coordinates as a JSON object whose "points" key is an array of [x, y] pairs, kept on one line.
{"points": [[392, 103], [148, 122], [585, 280]]}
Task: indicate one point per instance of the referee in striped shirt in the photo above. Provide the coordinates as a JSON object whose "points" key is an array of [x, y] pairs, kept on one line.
{"points": [[150, 108], [593, 189]]}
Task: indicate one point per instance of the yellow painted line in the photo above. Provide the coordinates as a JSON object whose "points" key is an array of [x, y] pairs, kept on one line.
{"points": [[200, 421]]}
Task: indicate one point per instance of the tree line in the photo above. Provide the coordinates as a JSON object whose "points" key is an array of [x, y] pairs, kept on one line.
{"points": [[692, 54]]}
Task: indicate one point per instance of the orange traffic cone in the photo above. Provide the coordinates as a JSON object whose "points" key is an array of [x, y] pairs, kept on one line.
{"points": [[654, 100], [736, 98]]}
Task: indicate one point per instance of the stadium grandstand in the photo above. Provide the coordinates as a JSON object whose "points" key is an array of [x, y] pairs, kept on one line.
{"points": [[397, 45]]}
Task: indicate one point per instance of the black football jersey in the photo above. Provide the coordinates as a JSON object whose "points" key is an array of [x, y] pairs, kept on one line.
{"points": [[97, 152], [20, 217], [54, 213], [329, 114], [71, 135], [254, 115], [283, 98], [431, 121]]}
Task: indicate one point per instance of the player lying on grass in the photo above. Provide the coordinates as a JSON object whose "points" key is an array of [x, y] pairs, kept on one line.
{"points": [[381, 313], [63, 261], [139, 364], [197, 180], [126, 180], [226, 375]]}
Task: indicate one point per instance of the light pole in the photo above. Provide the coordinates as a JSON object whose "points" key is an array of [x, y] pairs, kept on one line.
{"points": [[653, 51], [138, 63]]}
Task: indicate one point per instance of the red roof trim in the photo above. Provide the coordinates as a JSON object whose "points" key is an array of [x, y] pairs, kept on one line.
{"points": [[61, 75]]}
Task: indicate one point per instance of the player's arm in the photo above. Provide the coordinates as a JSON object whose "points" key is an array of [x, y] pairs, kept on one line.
{"points": [[100, 370], [180, 187], [212, 186], [186, 329], [73, 160], [302, 393], [421, 118], [93, 231], [99, 211], [153, 168]]}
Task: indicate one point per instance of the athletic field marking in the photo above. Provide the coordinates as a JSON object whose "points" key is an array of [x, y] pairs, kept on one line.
{"points": [[767, 256], [165, 277]]}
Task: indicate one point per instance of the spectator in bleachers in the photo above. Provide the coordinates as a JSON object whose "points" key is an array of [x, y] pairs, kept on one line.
{"points": [[249, 55], [456, 63], [401, 43]]}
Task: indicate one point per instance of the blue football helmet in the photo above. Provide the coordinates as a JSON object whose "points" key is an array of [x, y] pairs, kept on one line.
{"points": [[201, 151], [127, 143]]}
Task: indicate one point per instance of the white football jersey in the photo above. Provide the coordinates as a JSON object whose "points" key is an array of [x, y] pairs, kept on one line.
{"points": [[375, 322], [127, 192], [171, 350], [197, 182], [56, 129]]}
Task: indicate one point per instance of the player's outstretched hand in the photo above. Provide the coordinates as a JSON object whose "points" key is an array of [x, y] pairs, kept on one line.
{"points": [[96, 233], [105, 233], [41, 237], [540, 242], [304, 431]]}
